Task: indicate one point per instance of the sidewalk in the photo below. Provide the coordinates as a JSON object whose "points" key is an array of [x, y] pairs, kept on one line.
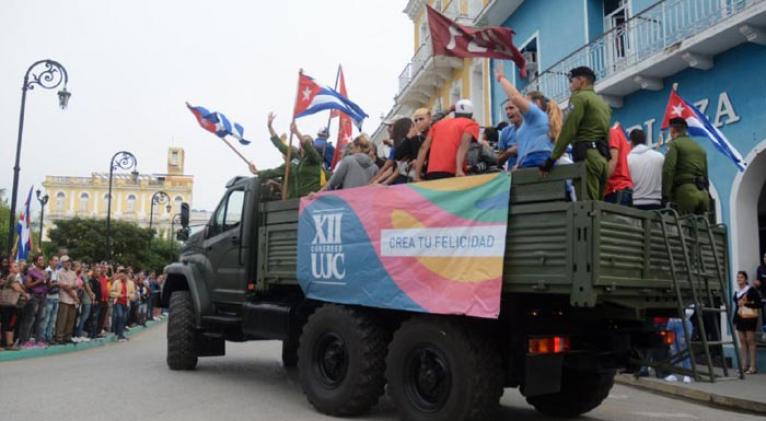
{"points": [[63, 349], [747, 395]]}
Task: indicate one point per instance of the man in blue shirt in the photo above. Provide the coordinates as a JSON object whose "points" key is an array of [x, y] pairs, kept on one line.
{"points": [[507, 143], [324, 147]]}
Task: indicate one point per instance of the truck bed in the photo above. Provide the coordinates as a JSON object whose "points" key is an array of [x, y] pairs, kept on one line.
{"points": [[592, 251]]}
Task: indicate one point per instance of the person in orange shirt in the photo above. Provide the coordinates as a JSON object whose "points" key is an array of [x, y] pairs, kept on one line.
{"points": [[447, 143]]}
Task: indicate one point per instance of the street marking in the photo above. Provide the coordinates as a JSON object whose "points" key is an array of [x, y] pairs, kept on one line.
{"points": [[666, 415]]}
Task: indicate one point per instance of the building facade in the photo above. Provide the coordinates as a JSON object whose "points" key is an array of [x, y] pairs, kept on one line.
{"points": [[87, 197], [437, 82], [712, 50]]}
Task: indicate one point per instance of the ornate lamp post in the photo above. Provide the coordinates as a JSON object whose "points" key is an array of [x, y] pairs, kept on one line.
{"points": [[158, 198], [43, 201], [47, 74], [122, 160]]}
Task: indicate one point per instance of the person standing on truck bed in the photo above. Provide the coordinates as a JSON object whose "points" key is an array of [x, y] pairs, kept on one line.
{"points": [[646, 171], [541, 123], [305, 176], [447, 144], [586, 127], [684, 173], [356, 169]]}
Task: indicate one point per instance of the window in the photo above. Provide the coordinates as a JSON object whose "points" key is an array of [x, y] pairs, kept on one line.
{"points": [[178, 200], [229, 213], [456, 92], [84, 202], [60, 196], [616, 14], [424, 34], [174, 158], [131, 203], [477, 90]]}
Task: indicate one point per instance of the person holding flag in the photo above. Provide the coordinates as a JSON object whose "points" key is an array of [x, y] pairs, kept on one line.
{"points": [[685, 172], [306, 173]]}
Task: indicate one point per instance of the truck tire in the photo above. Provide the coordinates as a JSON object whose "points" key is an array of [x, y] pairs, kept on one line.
{"points": [[341, 360], [581, 392], [182, 353], [439, 370]]}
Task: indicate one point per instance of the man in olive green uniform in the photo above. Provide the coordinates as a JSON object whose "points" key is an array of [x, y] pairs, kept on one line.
{"points": [[684, 174], [586, 127], [306, 175]]}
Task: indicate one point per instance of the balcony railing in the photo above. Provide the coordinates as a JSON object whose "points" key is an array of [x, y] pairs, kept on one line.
{"points": [[660, 26], [413, 67]]}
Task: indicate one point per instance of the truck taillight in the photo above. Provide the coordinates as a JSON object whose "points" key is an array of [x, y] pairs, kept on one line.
{"points": [[552, 345], [668, 337]]}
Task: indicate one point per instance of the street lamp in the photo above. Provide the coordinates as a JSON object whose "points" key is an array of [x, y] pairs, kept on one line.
{"points": [[43, 200], [47, 74], [126, 161], [158, 198]]}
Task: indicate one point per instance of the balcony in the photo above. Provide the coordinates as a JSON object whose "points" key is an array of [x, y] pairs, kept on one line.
{"points": [[664, 39], [425, 73]]}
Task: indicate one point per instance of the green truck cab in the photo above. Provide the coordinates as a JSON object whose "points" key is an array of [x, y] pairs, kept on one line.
{"points": [[581, 283]]}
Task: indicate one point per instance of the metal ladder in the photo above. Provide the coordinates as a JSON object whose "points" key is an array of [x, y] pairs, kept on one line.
{"points": [[696, 274]]}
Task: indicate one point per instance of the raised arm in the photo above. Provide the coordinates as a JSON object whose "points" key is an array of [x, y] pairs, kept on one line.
{"points": [[520, 101]]}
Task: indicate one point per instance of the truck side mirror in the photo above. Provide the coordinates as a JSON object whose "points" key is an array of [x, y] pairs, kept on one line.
{"points": [[182, 234], [185, 215]]}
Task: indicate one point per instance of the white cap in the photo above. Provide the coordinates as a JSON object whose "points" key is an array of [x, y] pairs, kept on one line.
{"points": [[464, 106]]}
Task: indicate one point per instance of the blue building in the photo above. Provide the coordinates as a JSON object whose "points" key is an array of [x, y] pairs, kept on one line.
{"points": [[714, 50]]}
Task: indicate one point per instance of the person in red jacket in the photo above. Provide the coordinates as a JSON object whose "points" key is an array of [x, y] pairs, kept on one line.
{"points": [[619, 185]]}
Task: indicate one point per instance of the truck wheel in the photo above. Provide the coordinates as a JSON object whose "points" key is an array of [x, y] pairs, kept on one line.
{"points": [[341, 360], [581, 392], [182, 353], [441, 370]]}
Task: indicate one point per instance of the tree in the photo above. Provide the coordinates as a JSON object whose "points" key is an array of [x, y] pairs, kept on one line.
{"points": [[5, 217], [85, 239]]}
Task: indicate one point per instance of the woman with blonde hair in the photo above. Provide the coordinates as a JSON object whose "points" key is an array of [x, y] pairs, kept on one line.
{"points": [[356, 169], [541, 123]]}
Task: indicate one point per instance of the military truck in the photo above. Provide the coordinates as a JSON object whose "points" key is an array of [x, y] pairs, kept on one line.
{"points": [[581, 283]]}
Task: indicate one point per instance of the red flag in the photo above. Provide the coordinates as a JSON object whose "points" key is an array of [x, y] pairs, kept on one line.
{"points": [[346, 127], [452, 39]]}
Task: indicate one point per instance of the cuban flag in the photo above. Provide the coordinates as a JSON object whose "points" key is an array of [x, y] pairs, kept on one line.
{"points": [[700, 126], [218, 124], [24, 231], [313, 98]]}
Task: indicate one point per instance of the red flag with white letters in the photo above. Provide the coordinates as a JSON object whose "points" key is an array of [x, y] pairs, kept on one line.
{"points": [[452, 39], [346, 127]]}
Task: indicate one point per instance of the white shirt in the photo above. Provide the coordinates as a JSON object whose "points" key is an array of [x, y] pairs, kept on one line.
{"points": [[646, 170]]}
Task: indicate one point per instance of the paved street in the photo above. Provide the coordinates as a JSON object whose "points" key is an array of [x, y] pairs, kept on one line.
{"points": [[128, 381]]}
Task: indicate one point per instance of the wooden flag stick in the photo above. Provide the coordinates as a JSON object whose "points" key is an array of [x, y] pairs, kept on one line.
{"points": [[239, 154], [288, 155]]}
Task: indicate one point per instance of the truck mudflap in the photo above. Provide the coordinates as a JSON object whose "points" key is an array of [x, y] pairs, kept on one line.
{"points": [[543, 374]]}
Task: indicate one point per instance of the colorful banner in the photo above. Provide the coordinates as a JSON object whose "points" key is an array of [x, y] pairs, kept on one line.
{"points": [[432, 247]]}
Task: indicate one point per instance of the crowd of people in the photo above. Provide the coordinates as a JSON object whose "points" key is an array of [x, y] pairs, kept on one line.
{"points": [[61, 301], [537, 134]]}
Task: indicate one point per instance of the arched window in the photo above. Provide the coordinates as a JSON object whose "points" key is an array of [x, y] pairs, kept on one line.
{"points": [[60, 196], [131, 203], [177, 203], [84, 202]]}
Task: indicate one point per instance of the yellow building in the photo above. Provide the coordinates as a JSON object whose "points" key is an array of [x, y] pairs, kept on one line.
{"points": [[87, 197], [437, 82]]}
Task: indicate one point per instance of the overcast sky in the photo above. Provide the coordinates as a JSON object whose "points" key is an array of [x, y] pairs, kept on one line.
{"points": [[133, 64]]}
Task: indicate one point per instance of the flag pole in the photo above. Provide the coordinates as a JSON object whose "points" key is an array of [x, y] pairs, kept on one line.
{"points": [[239, 154], [288, 155], [329, 118]]}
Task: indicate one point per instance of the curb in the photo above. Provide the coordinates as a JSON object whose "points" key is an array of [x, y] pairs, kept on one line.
{"points": [[708, 398], [65, 349]]}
